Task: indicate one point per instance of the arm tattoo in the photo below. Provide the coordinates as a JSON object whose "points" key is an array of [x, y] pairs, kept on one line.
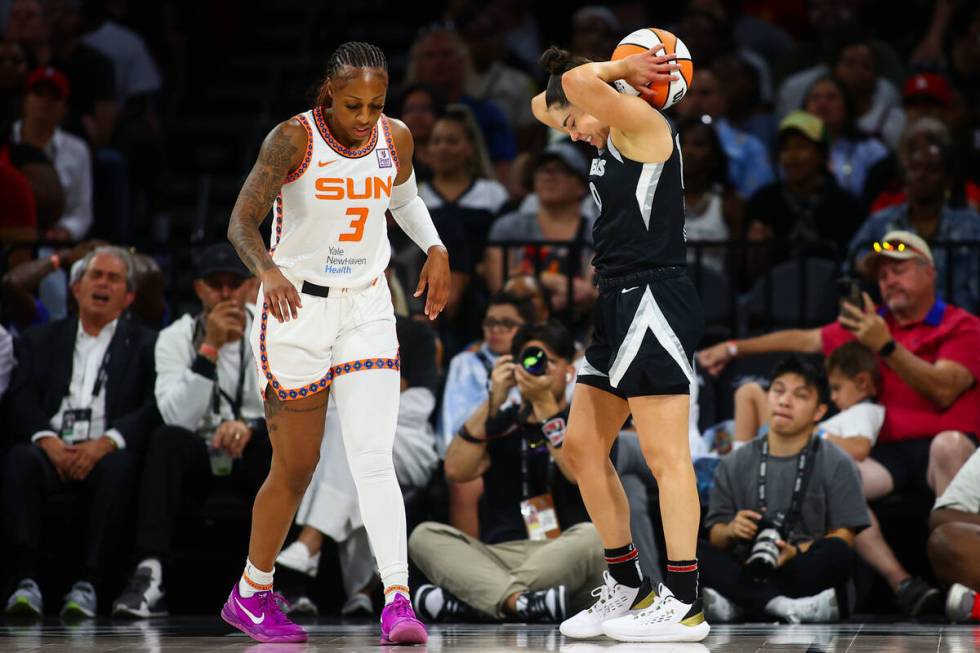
{"points": [[256, 197]]}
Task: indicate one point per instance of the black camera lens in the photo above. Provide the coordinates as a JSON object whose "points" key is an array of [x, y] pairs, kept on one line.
{"points": [[534, 360]]}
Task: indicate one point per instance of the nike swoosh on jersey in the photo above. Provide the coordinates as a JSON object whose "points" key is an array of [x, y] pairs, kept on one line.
{"points": [[255, 620], [324, 164], [626, 290]]}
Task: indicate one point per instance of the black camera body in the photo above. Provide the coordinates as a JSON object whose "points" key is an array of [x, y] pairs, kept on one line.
{"points": [[764, 554], [534, 360]]}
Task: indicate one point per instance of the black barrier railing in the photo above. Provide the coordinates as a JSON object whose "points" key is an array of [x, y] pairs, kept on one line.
{"points": [[753, 286]]}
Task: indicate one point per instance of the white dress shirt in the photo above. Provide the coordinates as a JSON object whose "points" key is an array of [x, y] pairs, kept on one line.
{"points": [[73, 163], [86, 362]]}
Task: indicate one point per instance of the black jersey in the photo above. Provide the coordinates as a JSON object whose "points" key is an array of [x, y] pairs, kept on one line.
{"points": [[641, 212]]}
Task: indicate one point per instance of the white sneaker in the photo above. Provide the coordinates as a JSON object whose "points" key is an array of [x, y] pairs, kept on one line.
{"points": [[717, 608], [667, 620], [959, 603], [614, 600], [820, 608], [297, 557]]}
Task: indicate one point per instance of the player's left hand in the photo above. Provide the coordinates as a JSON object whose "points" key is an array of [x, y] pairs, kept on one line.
{"points": [[869, 328], [435, 277], [650, 66]]}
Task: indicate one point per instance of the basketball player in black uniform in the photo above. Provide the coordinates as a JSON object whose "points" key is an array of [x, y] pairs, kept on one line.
{"points": [[648, 321]]}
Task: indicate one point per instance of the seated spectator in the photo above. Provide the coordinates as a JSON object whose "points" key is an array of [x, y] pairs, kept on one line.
{"points": [[864, 66], [18, 222], [712, 210], [929, 364], [463, 196], [748, 159], [214, 424], [595, 32], [42, 178], [526, 287], [439, 58], [80, 410], [23, 303], [419, 106], [926, 213], [330, 506], [791, 497], [806, 205], [852, 154], [747, 106], [13, 78], [493, 79], [520, 568], [45, 106], [92, 107], [560, 178], [136, 73], [854, 378], [466, 388], [955, 524]]}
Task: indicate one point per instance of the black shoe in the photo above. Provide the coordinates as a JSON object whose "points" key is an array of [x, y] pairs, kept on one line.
{"points": [[142, 598], [916, 598], [543, 606], [436, 604]]}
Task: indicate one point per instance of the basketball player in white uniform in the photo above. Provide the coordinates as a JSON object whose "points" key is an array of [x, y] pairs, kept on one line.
{"points": [[327, 322]]}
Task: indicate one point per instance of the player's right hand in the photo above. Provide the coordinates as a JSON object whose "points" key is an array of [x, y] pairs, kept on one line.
{"points": [[280, 296]]}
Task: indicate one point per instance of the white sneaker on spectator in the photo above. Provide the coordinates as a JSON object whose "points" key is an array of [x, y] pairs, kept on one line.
{"points": [[300, 605], [820, 608], [143, 596], [718, 609], [614, 600], [297, 557], [357, 603], [668, 620], [26, 600], [960, 603], [80, 601]]}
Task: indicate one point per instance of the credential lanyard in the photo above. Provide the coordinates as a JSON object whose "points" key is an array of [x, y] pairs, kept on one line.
{"points": [[804, 461], [217, 393], [103, 375]]}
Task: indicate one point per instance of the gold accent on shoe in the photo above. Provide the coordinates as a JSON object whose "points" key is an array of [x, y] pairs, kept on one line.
{"points": [[646, 601], [695, 620]]}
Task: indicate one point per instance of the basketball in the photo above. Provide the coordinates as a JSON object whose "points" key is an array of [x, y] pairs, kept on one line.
{"points": [[665, 93]]}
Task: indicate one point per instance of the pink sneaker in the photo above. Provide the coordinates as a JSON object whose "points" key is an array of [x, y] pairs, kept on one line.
{"points": [[399, 625], [260, 617]]}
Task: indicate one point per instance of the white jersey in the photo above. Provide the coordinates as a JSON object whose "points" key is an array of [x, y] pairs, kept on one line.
{"points": [[330, 227]]}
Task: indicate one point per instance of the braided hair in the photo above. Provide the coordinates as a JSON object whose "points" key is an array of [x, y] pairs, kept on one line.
{"points": [[355, 54]]}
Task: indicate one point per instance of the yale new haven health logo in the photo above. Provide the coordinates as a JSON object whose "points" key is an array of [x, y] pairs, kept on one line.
{"points": [[384, 157]]}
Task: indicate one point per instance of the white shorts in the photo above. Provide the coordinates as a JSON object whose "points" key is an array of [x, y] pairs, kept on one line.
{"points": [[352, 330]]}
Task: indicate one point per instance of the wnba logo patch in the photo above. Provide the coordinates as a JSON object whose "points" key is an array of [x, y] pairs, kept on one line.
{"points": [[384, 158]]}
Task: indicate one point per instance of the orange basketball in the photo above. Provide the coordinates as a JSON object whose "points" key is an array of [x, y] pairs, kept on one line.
{"points": [[665, 94]]}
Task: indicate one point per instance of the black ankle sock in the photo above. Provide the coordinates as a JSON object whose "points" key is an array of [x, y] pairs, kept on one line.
{"points": [[682, 579], [624, 565]]}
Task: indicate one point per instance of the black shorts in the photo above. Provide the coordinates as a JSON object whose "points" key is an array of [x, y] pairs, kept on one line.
{"points": [[645, 331], [908, 461]]}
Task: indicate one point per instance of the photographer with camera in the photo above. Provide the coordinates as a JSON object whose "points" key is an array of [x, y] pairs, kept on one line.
{"points": [[784, 512], [537, 546]]}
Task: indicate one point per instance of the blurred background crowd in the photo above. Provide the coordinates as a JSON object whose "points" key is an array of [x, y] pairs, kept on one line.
{"points": [[813, 129]]}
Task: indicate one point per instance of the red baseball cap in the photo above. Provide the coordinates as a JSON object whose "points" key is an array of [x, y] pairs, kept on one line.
{"points": [[51, 76], [929, 84]]}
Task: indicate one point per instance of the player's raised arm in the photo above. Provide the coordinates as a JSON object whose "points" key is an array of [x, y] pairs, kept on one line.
{"points": [[281, 152], [413, 217]]}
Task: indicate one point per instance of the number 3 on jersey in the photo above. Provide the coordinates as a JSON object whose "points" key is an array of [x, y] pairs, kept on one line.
{"points": [[357, 224]]}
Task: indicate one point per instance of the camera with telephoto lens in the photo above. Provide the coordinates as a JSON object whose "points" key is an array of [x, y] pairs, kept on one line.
{"points": [[764, 555], [534, 360]]}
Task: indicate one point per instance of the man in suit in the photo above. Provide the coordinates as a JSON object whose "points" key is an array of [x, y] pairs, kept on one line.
{"points": [[80, 406]]}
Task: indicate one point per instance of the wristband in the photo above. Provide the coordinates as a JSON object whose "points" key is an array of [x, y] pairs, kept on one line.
{"points": [[465, 435], [554, 430], [208, 351], [732, 348], [887, 349], [55, 261]]}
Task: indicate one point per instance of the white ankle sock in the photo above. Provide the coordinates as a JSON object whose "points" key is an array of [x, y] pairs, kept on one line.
{"points": [[257, 577], [395, 584], [156, 569]]}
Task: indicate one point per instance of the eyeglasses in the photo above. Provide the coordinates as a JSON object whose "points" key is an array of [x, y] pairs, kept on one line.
{"points": [[505, 323]]}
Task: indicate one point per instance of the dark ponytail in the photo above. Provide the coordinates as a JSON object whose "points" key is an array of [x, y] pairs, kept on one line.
{"points": [[355, 54], [557, 62]]}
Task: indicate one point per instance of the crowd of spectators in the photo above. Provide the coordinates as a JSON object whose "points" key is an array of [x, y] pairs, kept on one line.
{"points": [[806, 137]]}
